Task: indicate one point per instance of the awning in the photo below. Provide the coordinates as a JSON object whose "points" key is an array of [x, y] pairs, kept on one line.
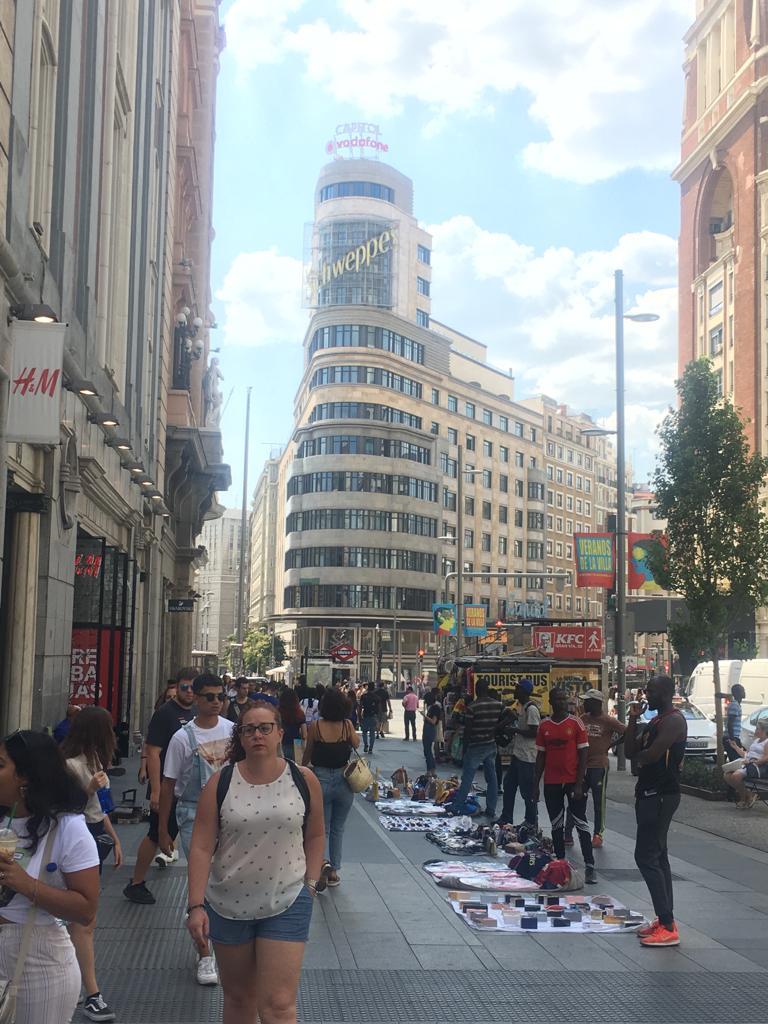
{"points": [[386, 673], [279, 671]]}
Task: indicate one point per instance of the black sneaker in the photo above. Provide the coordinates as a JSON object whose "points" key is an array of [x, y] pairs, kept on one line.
{"points": [[590, 875], [136, 892], [95, 1008]]}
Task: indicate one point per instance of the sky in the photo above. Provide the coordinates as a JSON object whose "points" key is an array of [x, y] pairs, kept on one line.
{"points": [[540, 139]]}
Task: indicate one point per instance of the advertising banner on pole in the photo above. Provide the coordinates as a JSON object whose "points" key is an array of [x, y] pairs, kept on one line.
{"points": [[444, 619], [639, 575], [595, 561], [575, 642], [37, 353], [474, 620]]}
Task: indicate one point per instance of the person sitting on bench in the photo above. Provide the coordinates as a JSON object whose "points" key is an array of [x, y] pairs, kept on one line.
{"points": [[754, 766]]}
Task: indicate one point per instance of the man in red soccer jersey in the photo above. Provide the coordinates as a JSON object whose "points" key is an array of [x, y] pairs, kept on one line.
{"points": [[562, 746]]}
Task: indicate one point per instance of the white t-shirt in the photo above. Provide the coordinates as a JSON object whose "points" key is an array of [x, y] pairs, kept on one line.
{"points": [[311, 706], [74, 849], [212, 744], [84, 772], [756, 750]]}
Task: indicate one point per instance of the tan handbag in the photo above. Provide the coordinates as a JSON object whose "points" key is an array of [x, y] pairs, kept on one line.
{"points": [[357, 773]]}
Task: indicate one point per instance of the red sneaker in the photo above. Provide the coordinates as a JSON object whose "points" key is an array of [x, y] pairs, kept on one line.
{"points": [[646, 929], [661, 936], [597, 842]]}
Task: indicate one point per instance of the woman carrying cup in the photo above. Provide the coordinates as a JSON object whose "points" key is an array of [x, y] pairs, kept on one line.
{"points": [[43, 803]]}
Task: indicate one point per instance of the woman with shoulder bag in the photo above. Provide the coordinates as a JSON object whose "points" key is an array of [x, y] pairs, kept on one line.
{"points": [[52, 876], [330, 742], [88, 750]]}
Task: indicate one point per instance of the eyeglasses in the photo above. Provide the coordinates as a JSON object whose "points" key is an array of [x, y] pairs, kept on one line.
{"points": [[211, 697], [185, 687], [263, 728]]}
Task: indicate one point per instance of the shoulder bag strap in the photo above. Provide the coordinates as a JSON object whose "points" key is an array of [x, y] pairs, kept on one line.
{"points": [[26, 935]]}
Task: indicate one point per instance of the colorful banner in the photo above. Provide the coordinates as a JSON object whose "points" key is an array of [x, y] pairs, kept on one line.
{"points": [[581, 643], [595, 562], [444, 619], [474, 620], [639, 575]]}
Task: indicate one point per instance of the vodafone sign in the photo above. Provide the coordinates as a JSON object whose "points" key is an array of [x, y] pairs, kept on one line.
{"points": [[575, 642]]}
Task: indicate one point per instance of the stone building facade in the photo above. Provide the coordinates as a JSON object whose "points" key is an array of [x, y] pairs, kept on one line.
{"points": [[96, 533], [216, 584]]}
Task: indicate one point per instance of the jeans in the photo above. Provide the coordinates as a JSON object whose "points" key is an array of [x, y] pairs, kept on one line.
{"points": [[520, 776], [477, 754], [410, 720], [555, 796], [596, 783], [654, 815], [370, 726], [337, 803], [185, 818], [429, 751]]}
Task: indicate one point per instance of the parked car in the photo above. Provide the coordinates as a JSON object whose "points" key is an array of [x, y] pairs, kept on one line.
{"points": [[702, 735], [748, 724]]}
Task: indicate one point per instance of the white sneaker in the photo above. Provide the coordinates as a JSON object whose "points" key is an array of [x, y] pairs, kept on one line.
{"points": [[163, 860], [206, 971]]}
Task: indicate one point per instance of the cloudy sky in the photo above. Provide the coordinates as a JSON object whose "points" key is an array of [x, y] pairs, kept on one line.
{"points": [[540, 139]]}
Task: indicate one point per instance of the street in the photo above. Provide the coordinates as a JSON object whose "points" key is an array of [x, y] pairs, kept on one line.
{"points": [[386, 947]]}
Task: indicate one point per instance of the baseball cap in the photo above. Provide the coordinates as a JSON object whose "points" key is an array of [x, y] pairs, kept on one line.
{"points": [[592, 695], [526, 685]]}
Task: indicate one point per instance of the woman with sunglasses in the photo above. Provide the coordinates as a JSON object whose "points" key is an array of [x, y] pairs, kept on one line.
{"points": [[53, 875], [88, 750], [253, 865]]}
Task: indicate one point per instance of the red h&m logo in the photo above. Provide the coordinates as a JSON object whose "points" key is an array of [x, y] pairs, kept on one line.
{"points": [[29, 382]]}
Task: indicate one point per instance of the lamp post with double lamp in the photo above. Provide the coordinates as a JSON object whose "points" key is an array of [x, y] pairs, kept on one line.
{"points": [[621, 497]]}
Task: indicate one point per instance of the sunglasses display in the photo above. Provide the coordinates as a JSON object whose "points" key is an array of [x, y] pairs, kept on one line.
{"points": [[263, 728]]}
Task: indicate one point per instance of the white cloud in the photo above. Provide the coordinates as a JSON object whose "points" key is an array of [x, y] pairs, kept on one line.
{"points": [[261, 293], [549, 315], [603, 75]]}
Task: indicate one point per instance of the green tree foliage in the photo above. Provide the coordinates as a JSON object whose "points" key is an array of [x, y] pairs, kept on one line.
{"points": [[262, 650], [708, 485]]}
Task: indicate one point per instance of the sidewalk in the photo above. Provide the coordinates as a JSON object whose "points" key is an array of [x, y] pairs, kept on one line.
{"points": [[385, 946]]}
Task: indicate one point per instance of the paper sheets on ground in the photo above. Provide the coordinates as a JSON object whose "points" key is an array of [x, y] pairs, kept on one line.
{"points": [[564, 914]]}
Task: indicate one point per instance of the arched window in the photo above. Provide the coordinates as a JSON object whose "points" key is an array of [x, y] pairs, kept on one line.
{"points": [[42, 122], [715, 218]]}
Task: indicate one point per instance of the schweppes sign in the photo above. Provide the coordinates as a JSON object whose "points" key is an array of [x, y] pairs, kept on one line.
{"points": [[359, 258]]}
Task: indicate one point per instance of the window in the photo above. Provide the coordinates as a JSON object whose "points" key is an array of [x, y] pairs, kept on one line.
{"points": [[503, 514], [435, 396], [535, 550], [550, 522], [368, 189], [487, 478], [588, 508], [569, 551], [469, 505], [485, 579], [469, 538], [423, 255], [435, 428], [579, 506], [518, 551], [559, 476], [469, 410], [519, 518], [453, 436], [550, 497], [719, 377], [532, 461], [549, 548], [518, 429], [453, 403], [559, 500], [485, 542], [519, 488], [715, 298], [366, 336], [579, 482], [578, 604], [42, 122], [449, 467], [569, 456], [532, 433], [716, 340], [503, 453], [486, 510], [569, 479], [449, 499], [504, 424], [559, 549], [519, 459], [559, 522], [487, 417], [535, 520], [448, 530], [503, 483], [487, 448], [568, 503], [503, 542], [535, 491], [422, 286], [422, 318], [470, 442]]}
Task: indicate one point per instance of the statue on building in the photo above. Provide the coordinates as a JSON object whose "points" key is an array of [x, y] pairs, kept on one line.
{"points": [[212, 396]]}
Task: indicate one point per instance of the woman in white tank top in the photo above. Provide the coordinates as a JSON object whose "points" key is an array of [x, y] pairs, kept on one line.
{"points": [[253, 866]]}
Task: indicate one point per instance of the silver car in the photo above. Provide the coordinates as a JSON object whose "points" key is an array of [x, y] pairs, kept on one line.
{"points": [[749, 724], [702, 734]]}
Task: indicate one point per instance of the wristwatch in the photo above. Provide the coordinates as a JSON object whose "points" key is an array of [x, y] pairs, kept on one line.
{"points": [[195, 906]]}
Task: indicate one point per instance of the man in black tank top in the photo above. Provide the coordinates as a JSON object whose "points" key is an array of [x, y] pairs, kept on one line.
{"points": [[658, 753]]}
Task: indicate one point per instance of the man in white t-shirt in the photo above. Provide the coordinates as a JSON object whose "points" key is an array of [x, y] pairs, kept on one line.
{"points": [[196, 751]]}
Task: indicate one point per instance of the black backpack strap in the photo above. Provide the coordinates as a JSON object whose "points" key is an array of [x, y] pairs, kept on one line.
{"points": [[302, 785], [222, 786]]}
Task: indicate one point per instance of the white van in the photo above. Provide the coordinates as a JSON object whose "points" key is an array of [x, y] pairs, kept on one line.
{"points": [[700, 689], [754, 679]]}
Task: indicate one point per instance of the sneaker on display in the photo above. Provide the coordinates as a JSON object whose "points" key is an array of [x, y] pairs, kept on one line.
{"points": [[206, 971], [661, 936], [95, 1008], [137, 892]]}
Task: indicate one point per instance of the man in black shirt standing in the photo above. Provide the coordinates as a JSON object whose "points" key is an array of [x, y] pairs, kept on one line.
{"points": [[168, 718], [481, 719], [385, 708], [369, 717]]}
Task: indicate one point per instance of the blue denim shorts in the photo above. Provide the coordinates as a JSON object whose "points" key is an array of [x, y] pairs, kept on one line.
{"points": [[292, 925]]}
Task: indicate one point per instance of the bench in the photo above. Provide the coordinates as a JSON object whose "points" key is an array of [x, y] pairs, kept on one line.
{"points": [[758, 786]]}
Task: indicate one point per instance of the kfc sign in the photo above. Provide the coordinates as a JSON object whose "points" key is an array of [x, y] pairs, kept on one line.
{"points": [[575, 642]]}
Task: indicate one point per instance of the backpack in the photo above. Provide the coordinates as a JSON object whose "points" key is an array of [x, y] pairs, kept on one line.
{"points": [[508, 719], [225, 778]]}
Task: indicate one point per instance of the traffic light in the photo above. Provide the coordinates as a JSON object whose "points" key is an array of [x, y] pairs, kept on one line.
{"points": [[613, 602], [421, 653]]}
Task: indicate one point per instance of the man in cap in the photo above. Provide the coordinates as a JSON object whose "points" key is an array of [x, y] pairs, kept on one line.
{"points": [[602, 732], [521, 767]]}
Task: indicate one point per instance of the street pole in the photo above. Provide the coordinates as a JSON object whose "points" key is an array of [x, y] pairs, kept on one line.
{"points": [[459, 548], [244, 545], [621, 516]]}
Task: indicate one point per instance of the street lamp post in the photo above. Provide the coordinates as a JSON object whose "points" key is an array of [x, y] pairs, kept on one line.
{"points": [[459, 547]]}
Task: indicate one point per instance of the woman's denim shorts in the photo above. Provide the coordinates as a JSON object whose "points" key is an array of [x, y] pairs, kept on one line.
{"points": [[292, 925]]}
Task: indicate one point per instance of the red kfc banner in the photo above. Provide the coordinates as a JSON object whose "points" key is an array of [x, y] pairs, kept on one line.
{"points": [[569, 642]]}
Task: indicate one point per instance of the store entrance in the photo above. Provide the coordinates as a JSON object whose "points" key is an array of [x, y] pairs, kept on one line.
{"points": [[101, 668]]}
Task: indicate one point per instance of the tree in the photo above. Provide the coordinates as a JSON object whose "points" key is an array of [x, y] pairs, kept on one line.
{"points": [[707, 485], [261, 649]]}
